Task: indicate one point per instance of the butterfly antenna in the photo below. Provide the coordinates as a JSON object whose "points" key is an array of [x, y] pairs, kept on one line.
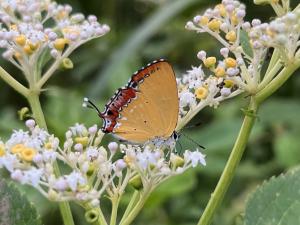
{"points": [[192, 140], [193, 126], [89, 104], [180, 148]]}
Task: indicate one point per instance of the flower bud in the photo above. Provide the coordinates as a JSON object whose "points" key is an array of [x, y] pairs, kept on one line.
{"points": [[201, 93], [82, 140], [60, 43], [27, 50], [67, 64], [230, 62], [21, 40], [219, 72], [228, 83], [177, 161], [201, 55], [30, 123], [225, 91], [2, 150], [52, 195], [231, 36], [136, 182], [214, 25], [27, 154], [203, 20], [113, 146], [210, 61]]}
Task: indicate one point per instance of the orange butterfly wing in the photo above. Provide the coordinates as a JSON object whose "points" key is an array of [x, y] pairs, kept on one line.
{"points": [[154, 111]]}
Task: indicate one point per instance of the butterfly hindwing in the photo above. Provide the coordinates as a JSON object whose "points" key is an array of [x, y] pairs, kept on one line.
{"points": [[154, 111]]}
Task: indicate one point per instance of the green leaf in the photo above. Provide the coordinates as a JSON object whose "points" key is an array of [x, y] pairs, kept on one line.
{"points": [[276, 202], [15, 209], [245, 42]]}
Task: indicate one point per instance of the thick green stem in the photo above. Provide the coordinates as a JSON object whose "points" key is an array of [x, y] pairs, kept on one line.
{"points": [[130, 205], [232, 163], [35, 105], [137, 208], [114, 211]]}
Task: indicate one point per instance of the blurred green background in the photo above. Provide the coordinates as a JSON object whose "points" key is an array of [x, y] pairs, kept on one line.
{"points": [[141, 31]]}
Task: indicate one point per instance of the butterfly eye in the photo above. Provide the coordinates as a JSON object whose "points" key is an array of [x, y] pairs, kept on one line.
{"points": [[109, 112]]}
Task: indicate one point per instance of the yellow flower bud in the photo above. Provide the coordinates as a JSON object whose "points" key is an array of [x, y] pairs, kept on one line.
{"points": [[82, 140], [201, 93], [17, 148], [21, 40], [230, 62], [48, 145], [270, 33], [13, 27], [210, 61], [27, 154], [234, 20], [214, 25], [34, 46], [60, 43], [228, 83], [27, 50], [127, 160], [204, 21], [2, 150], [231, 36], [221, 9], [220, 72]]}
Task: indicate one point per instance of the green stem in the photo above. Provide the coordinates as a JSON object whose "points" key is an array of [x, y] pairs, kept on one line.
{"points": [[114, 211], [278, 81], [130, 205], [241, 141], [35, 105], [137, 208], [231, 165], [34, 102], [270, 75], [13, 83]]}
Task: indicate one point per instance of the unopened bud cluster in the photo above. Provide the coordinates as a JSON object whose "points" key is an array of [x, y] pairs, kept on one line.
{"points": [[31, 29]]}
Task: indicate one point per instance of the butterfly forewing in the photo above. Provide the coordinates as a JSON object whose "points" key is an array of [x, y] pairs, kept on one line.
{"points": [[154, 111]]}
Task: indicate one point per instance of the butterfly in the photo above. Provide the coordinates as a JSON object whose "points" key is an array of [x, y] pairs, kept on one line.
{"points": [[146, 109]]}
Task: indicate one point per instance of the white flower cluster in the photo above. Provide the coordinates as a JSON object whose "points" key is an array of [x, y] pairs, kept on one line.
{"points": [[197, 90], [31, 28], [283, 33], [245, 47], [31, 157]]}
